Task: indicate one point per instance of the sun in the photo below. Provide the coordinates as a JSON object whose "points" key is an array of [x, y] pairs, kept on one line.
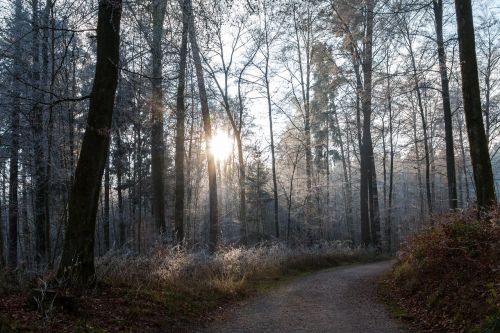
{"points": [[221, 146]]}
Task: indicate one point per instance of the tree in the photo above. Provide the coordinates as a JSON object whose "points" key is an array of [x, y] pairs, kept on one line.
{"points": [[266, 53], [38, 136], [77, 261], [407, 35], [437, 5], [481, 163], [368, 186], [179, 138], [14, 145], [157, 143], [235, 119], [207, 128]]}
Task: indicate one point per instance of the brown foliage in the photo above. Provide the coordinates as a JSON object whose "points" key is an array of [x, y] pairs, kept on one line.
{"points": [[448, 276]]}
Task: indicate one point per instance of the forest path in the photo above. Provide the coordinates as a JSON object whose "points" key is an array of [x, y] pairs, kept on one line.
{"points": [[341, 299]]}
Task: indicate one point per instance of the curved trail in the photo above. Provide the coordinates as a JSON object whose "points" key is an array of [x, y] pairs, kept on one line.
{"points": [[341, 299]]}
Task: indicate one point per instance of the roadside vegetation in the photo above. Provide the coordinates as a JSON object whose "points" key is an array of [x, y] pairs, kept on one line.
{"points": [[167, 289], [447, 278]]}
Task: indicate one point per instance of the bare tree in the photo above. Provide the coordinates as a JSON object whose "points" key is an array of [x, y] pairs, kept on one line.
{"points": [[481, 163], [445, 94], [77, 261], [207, 127], [180, 137]]}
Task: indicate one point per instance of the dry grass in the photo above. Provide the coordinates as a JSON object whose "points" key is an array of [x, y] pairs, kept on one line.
{"points": [[227, 270], [170, 289]]}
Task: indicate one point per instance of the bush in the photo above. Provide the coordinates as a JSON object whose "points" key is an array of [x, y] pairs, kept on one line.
{"points": [[229, 266], [448, 276]]}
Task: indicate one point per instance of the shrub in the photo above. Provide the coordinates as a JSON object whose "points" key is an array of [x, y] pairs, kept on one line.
{"points": [[448, 276], [173, 266]]}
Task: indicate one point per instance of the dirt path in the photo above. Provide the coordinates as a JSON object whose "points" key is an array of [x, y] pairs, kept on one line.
{"points": [[338, 300]]}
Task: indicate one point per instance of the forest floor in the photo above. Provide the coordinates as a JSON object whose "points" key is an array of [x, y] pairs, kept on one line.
{"points": [[341, 299], [261, 289]]}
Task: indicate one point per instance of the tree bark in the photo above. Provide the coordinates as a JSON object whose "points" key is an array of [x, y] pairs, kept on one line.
{"points": [[370, 217], [242, 171], [271, 132], [481, 163], [157, 142], [77, 261], [207, 128], [347, 185], [2, 255], [14, 149], [38, 138], [179, 138], [105, 225], [445, 94]]}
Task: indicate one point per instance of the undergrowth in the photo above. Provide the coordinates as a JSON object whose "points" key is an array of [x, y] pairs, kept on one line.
{"points": [[448, 277], [170, 288]]}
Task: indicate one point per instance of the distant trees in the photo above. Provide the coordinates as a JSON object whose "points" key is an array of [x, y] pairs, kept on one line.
{"points": [[326, 105]]}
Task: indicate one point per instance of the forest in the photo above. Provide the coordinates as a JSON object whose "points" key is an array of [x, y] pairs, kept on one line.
{"points": [[152, 145]]}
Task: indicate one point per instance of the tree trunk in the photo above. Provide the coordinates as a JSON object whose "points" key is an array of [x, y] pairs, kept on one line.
{"points": [[305, 88], [242, 174], [445, 94], [118, 162], [77, 261], [179, 138], [417, 159], [347, 185], [271, 132], [481, 163], [207, 127], [157, 143], [2, 255], [105, 224], [38, 138], [370, 216], [422, 119], [14, 148], [273, 157]]}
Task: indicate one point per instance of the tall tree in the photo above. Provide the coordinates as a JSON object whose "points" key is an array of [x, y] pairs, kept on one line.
{"points": [[157, 142], [77, 261], [266, 52], [207, 128], [481, 163], [303, 32], [38, 136], [14, 144], [437, 5], [407, 34], [2, 255], [107, 192], [179, 138], [369, 193]]}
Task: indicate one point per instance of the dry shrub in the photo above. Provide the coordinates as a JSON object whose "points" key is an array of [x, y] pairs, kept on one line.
{"points": [[449, 276], [227, 270]]}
